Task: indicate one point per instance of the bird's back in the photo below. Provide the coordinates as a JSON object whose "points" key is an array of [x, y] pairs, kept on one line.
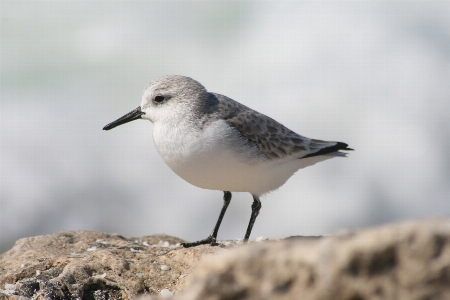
{"points": [[271, 139]]}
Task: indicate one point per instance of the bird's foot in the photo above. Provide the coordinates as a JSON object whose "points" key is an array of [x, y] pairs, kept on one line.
{"points": [[209, 240]]}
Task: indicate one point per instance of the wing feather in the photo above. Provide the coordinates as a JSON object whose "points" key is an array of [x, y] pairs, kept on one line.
{"points": [[271, 138]]}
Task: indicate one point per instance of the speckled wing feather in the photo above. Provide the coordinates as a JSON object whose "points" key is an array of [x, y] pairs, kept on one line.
{"points": [[273, 139]]}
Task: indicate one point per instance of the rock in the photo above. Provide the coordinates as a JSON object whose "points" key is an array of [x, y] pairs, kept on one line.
{"points": [[409, 260], [94, 265], [165, 268], [402, 261], [165, 293]]}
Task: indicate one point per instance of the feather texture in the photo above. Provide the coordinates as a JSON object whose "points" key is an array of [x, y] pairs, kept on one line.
{"points": [[272, 139]]}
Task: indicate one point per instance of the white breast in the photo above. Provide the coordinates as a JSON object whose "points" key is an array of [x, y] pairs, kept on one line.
{"points": [[216, 158]]}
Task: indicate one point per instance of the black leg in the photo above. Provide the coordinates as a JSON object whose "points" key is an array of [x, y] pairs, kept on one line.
{"points": [[256, 206], [211, 239]]}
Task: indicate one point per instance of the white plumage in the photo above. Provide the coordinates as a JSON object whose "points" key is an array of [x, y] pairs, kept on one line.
{"points": [[216, 143]]}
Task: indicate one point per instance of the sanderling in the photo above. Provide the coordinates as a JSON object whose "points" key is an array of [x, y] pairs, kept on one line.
{"points": [[216, 143]]}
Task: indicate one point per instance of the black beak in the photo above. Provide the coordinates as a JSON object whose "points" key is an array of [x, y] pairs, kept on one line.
{"points": [[131, 116]]}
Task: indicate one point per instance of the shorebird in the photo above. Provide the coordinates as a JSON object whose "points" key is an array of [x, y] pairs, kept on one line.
{"points": [[217, 143]]}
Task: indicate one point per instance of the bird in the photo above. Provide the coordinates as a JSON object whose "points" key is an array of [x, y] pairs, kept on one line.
{"points": [[216, 143]]}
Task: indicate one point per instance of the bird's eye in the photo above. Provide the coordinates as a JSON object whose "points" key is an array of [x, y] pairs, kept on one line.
{"points": [[159, 99]]}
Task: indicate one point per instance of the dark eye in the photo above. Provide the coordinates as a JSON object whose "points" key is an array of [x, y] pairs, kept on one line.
{"points": [[159, 99]]}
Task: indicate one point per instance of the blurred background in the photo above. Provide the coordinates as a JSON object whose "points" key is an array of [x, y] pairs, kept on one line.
{"points": [[375, 75]]}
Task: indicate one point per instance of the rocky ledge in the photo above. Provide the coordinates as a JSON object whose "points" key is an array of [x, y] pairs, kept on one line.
{"points": [[409, 260]]}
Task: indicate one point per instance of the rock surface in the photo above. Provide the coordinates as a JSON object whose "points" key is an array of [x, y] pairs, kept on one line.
{"points": [[407, 261], [94, 265], [410, 260]]}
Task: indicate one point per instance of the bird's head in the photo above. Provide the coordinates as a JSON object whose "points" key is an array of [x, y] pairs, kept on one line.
{"points": [[167, 97]]}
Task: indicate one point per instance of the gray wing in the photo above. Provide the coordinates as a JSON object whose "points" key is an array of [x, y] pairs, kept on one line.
{"points": [[272, 139]]}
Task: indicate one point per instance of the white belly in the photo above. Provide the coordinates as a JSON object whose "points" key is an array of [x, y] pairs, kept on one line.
{"points": [[216, 159]]}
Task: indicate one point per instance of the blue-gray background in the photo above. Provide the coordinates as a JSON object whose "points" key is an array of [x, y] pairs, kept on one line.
{"points": [[373, 74]]}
